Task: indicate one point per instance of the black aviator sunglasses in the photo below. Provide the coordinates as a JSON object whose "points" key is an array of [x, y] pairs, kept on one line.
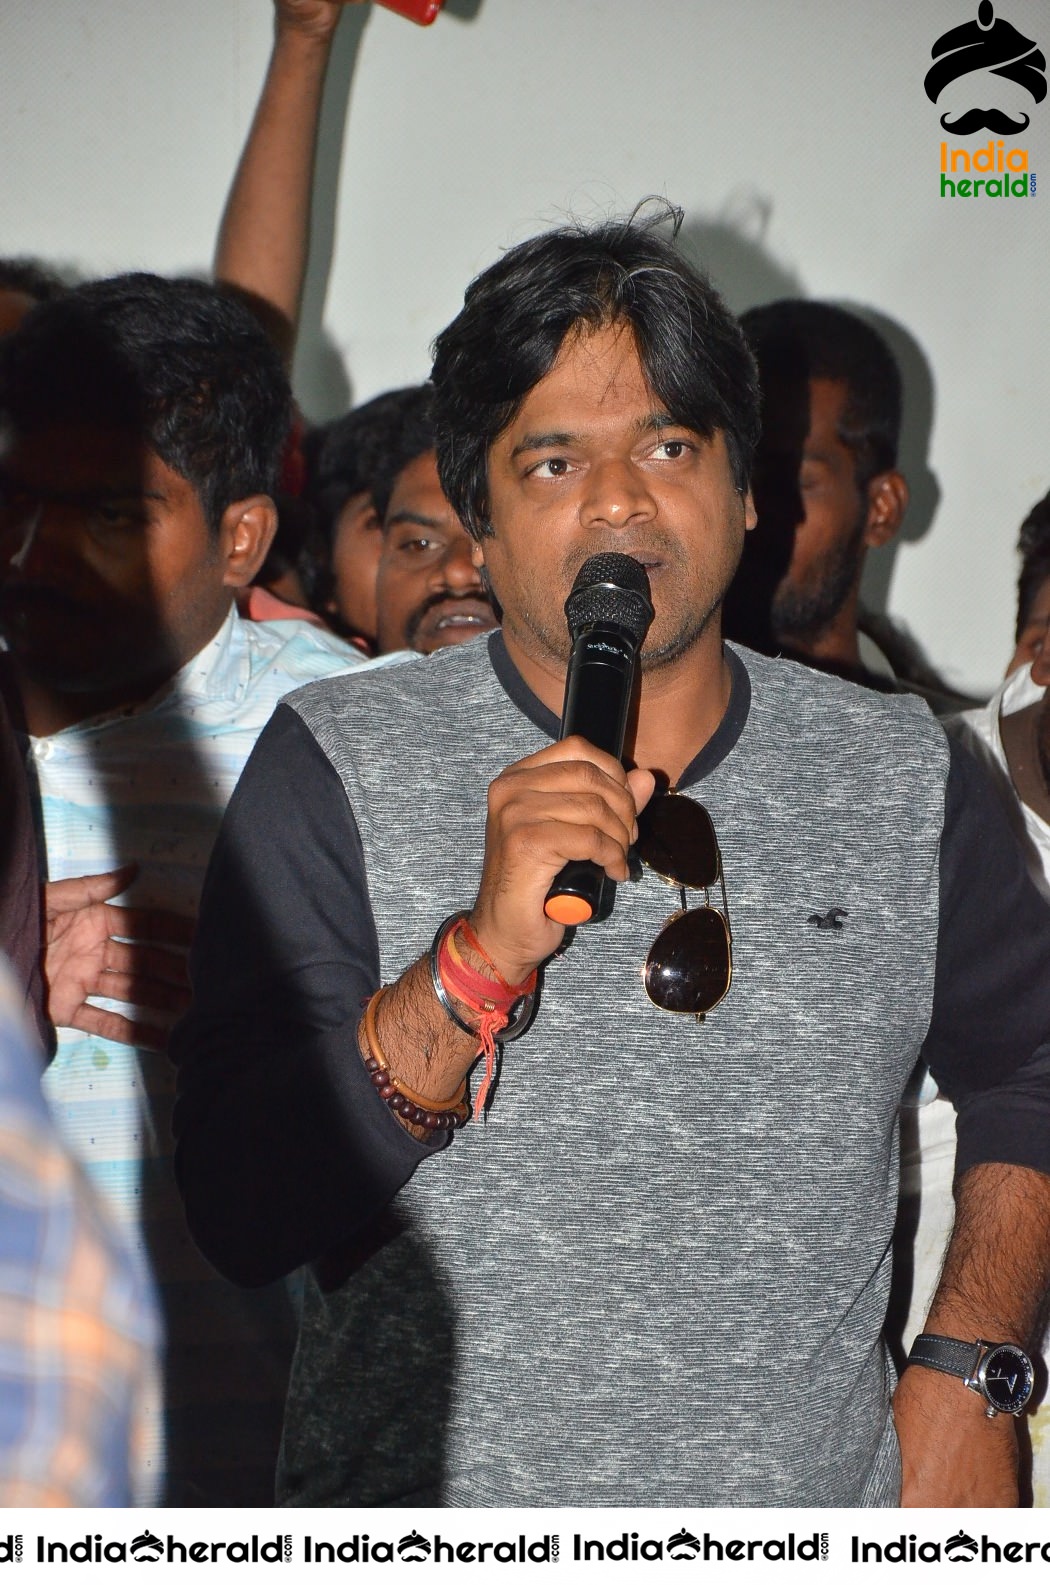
{"points": [[690, 964]]}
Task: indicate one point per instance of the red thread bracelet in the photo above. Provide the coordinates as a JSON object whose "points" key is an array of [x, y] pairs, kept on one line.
{"points": [[491, 999]]}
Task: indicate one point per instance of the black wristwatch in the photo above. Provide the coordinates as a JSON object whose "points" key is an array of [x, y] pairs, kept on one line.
{"points": [[1001, 1372]]}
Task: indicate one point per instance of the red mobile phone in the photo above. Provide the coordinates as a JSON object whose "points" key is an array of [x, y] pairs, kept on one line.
{"points": [[421, 11]]}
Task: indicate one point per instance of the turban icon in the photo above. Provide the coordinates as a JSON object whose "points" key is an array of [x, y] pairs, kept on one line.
{"points": [[990, 43]]}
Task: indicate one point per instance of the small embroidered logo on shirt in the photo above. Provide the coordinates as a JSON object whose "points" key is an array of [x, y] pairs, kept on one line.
{"points": [[832, 920]]}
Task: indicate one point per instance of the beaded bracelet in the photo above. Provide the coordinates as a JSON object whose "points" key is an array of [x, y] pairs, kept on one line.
{"points": [[434, 1116]]}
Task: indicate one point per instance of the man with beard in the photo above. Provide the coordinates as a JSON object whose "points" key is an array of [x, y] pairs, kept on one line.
{"points": [[654, 1268], [827, 487], [429, 593], [401, 571]]}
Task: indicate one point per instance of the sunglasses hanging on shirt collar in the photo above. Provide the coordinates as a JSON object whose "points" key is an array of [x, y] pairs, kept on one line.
{"points": [[690, 964]]}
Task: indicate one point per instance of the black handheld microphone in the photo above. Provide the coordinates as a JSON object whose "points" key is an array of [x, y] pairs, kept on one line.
{"points": [[609, 611]]}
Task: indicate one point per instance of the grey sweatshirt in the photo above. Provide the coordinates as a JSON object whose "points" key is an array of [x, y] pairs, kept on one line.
{"points": [[657, 1273]]}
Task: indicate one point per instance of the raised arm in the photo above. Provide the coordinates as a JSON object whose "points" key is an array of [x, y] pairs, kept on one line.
{"points": [[264, 233]]}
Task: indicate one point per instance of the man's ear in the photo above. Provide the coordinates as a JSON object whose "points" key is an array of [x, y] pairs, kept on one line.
{"points": [[245, 536], [1041, 666], [477, 556], [750, 514], [887, 504]]}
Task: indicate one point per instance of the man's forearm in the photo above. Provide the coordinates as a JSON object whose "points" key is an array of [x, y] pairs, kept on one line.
{"points": [[997, 1267], [423, 1047], [264, 233], [993, 1286]]}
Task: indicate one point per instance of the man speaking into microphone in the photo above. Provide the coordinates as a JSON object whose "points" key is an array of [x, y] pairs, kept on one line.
{"points": [[599, 1213]]}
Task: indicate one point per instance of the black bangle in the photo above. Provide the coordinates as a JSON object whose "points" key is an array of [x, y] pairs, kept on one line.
{"points": [[522, 1012]]}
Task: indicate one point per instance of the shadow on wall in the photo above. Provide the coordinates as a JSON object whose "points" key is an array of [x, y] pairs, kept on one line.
{"points": [[732, 250], [320, 381], [463, 10]]}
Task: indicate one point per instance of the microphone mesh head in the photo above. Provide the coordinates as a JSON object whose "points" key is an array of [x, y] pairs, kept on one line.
{"points": [[610, 587]]}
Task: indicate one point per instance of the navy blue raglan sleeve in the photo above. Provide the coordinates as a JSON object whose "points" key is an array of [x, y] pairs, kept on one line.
{"points": [[283, 1150], [988, 1044]]}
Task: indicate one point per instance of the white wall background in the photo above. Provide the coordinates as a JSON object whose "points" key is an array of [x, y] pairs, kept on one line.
{"points": [[796, 136]]}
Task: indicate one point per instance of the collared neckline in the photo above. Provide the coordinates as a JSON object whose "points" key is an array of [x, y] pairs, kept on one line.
{"points": [[221, 670]]}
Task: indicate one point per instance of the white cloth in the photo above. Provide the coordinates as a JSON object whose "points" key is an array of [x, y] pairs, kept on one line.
{"points": [[148, 785], [985, 738]]}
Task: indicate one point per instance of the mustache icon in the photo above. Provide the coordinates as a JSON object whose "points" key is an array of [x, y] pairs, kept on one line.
{"points": [[978, 120]]}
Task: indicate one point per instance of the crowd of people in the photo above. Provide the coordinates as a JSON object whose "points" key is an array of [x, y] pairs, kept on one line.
{"points": [[396, 1189]]}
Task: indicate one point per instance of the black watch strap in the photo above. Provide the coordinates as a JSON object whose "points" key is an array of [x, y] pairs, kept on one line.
{"points": [[1000, 1373], [950, 1354]]}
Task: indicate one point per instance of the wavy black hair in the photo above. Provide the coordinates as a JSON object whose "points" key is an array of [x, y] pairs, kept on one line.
{"points": [[517, 314], [415, 437], [347, 456], [179, 362]]}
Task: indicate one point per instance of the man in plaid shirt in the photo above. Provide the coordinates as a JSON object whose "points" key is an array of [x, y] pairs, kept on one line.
{"points": [[76, 1327]]}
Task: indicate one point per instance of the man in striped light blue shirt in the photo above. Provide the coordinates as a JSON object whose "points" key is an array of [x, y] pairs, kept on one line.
{"points": [[143, 422]]}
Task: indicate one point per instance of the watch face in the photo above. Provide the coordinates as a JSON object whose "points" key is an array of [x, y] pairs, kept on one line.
{"points": [[1006, 1378]]}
